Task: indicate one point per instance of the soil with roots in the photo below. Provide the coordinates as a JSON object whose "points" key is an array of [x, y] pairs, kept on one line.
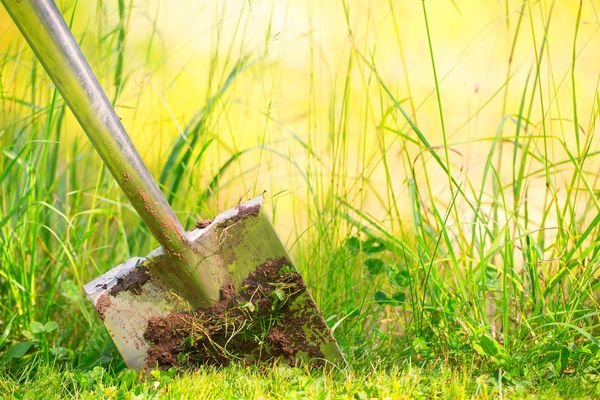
{"points": [[252, 323]]}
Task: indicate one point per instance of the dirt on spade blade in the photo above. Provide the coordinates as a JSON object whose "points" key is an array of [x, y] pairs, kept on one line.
{"points": [[250, 324], [131, 282]]}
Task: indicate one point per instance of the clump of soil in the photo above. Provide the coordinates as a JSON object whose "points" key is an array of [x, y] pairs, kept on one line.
{"points": [[250, 324], [203, 223], [243, 213], [132, 282], [102, 304]]}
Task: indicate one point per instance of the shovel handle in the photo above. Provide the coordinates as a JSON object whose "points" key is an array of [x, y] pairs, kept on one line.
{"points": [[54, 45]]}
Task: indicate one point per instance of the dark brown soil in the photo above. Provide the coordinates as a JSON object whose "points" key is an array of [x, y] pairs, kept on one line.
{"points": [[204, 223], [132, 282], [243, 213], [250, 324]]}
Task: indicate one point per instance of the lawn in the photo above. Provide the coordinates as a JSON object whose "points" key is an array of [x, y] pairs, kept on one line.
{"points": [[404, 382], [431, 167]]}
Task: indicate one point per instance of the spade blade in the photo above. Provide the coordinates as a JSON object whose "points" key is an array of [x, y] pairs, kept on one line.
{"points": [[265, 313]]}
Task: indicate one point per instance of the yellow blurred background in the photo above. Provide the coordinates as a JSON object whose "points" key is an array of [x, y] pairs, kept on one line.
{"points": [[314, 75]]}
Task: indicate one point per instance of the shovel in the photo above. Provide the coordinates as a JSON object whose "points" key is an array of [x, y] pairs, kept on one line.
{"points": [[224, 292]]}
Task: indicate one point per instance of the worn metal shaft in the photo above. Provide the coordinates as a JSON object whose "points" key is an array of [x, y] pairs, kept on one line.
{"points": [[48, 35]]}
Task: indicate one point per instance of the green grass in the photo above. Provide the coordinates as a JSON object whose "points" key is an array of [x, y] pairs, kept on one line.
{"points": [[290, 383], [454, 254]]}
